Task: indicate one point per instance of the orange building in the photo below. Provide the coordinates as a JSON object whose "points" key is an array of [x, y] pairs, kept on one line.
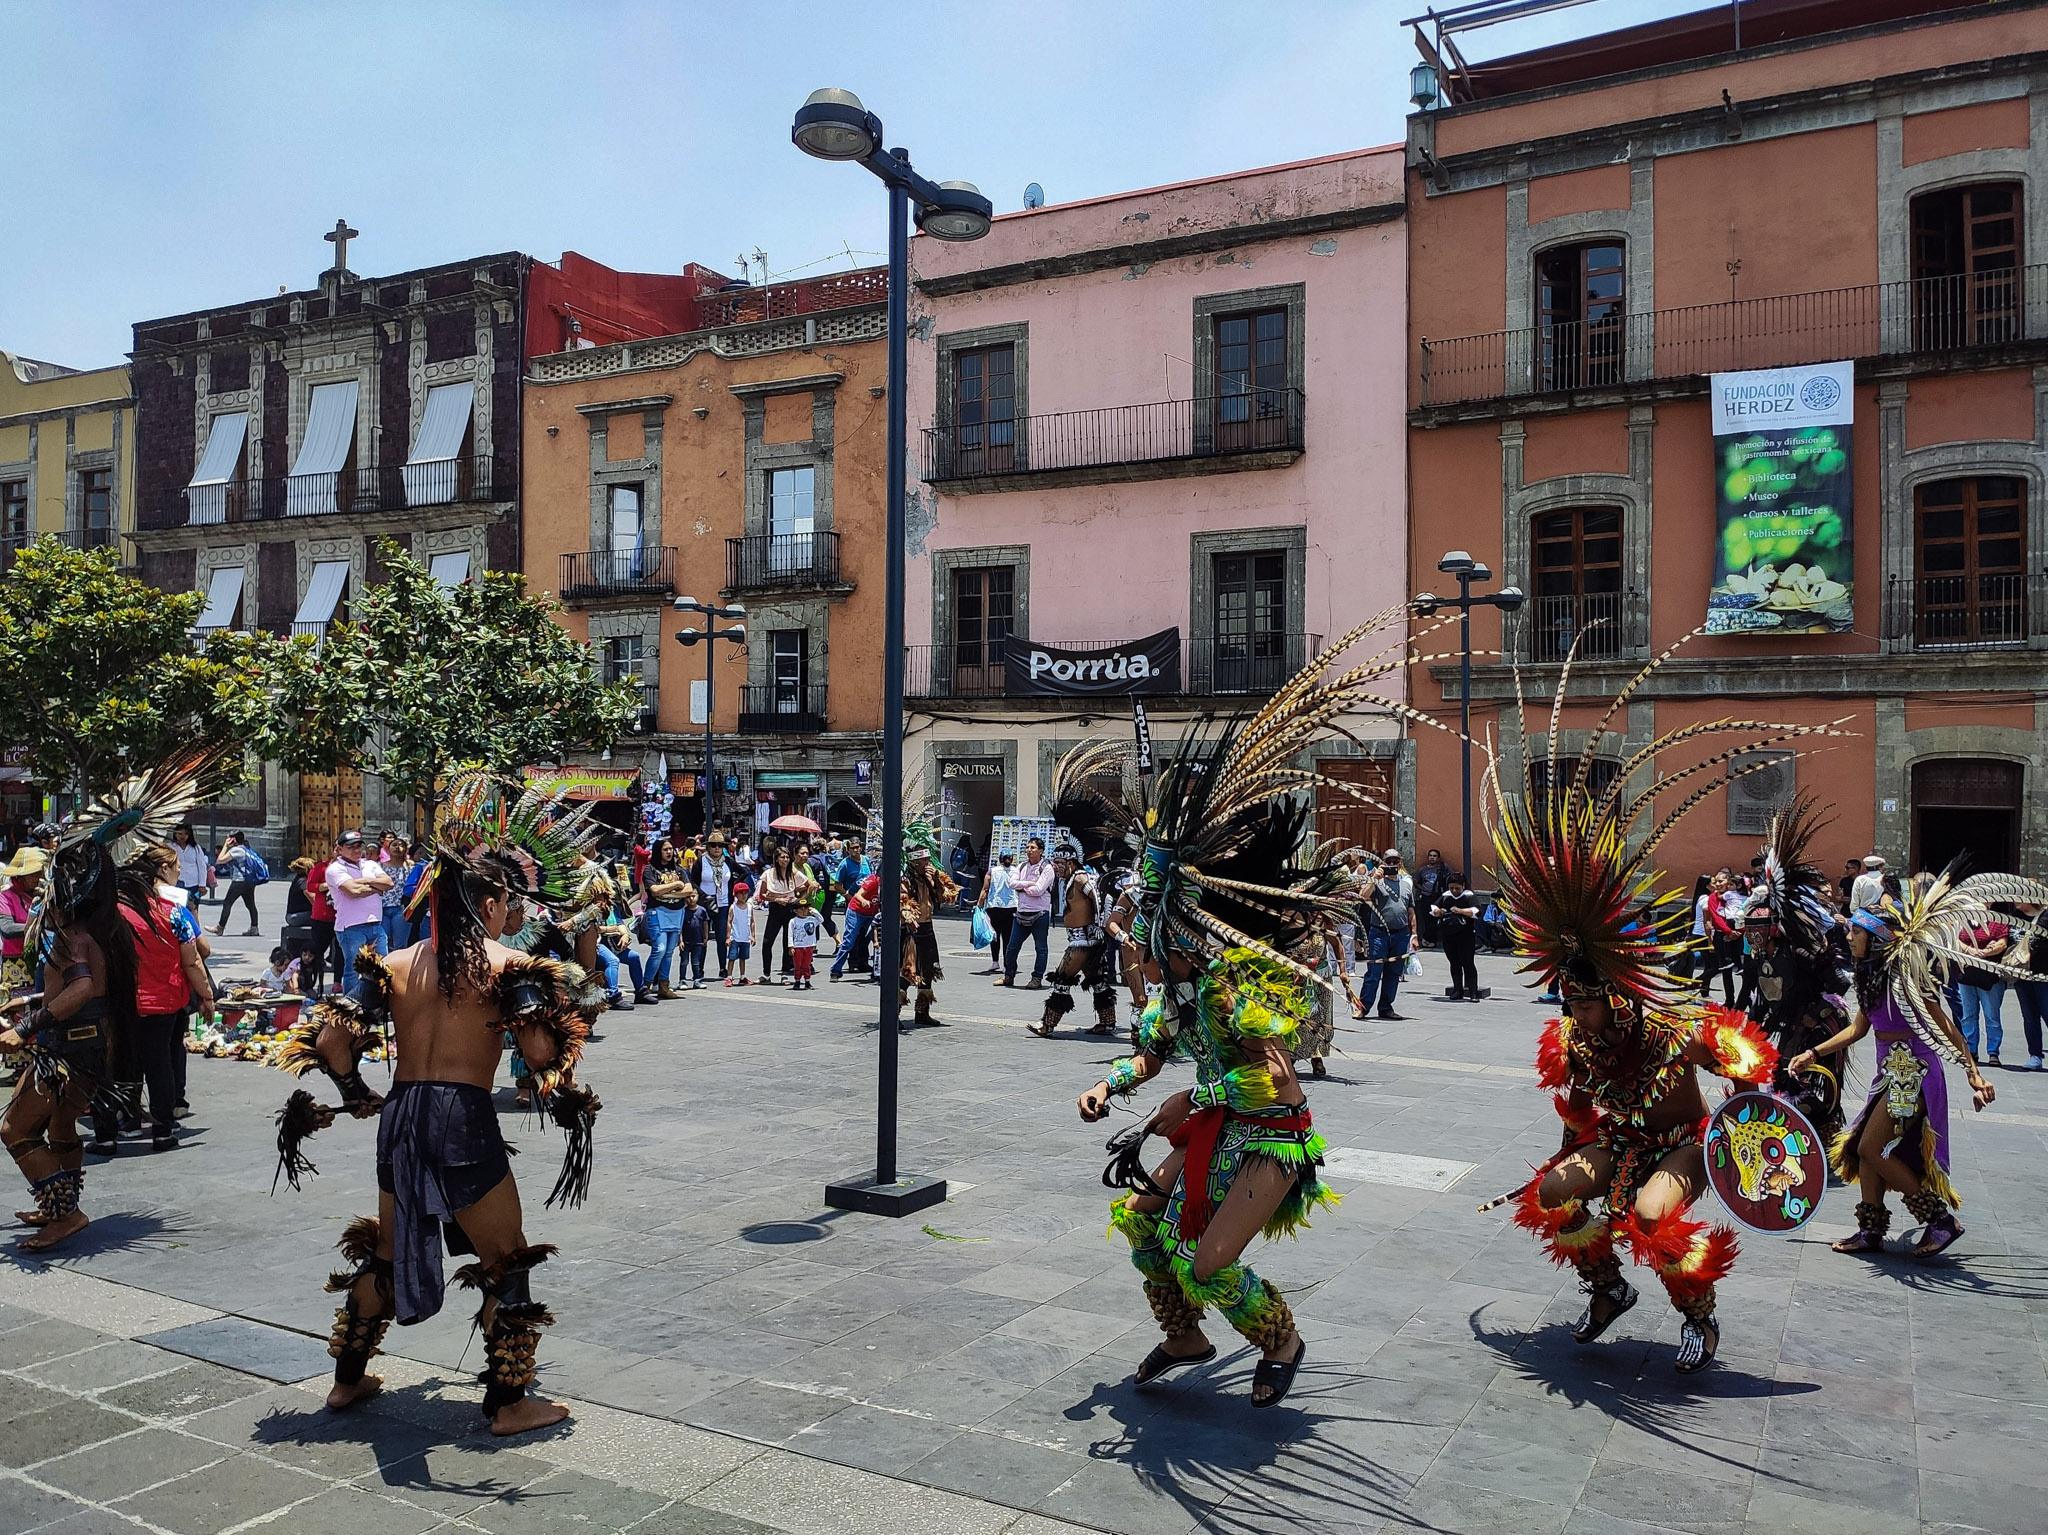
{"points": [[1597, 228], [740, 463]]}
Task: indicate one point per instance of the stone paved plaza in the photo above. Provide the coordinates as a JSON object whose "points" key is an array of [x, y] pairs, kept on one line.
{"points": [[742, 1359]]}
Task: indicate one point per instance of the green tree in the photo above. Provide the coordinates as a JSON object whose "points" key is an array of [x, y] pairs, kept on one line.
{"points": [[422, 679], [102, 669]]}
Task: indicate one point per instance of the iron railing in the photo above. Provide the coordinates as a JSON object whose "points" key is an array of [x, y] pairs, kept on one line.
{"points": [[1603, 623], [1210, 666], [778, 708], [765, 561], [1924, 315], [649, 569], [353, 491], [1216, 426], [1985, 612], [81, 537], [776, 301]]}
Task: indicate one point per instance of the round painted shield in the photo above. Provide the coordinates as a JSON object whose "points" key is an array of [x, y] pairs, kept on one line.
{"points": [[1766, 1163]]}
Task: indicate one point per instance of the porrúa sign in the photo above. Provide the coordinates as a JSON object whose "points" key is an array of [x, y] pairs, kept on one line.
{"points": [[1149, 665], [1784, 554]]}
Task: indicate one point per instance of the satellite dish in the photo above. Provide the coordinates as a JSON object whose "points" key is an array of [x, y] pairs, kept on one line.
{"points": [[1034, 196]]}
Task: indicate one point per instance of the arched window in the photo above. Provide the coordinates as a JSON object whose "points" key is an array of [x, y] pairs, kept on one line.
{"points": [[1966, 265], [1575, 585], [1970, 582], [1580, 292], [1543, 772]]}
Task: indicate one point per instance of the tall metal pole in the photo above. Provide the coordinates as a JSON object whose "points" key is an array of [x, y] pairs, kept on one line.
{"points": [[710, 701], [1465, 717], [892, 674]]}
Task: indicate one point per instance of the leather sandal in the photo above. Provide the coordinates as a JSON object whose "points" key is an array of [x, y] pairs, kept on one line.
{"points": [[1277, 1375]]}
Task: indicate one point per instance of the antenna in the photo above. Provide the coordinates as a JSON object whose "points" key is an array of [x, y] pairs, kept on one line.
{"points": [[1034, 195]]}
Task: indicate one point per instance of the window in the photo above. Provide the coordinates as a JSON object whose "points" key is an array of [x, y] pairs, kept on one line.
{"points": [[788, 668], [13, 516], [984, 608], [322, 478], [625, 659], [215, 493], [792, 517], [1249, 623], [1579, 324], [449, 570], [625, 535], [1966, 265], [95, 508], [223, 599], [1251, 379], [985, 409], [1541, 773], [434, 469], [1970, 560], [324, 588], [1575, 562]]}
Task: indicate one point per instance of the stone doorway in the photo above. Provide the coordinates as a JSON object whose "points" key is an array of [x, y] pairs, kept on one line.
{"points": [[1967, 807]]}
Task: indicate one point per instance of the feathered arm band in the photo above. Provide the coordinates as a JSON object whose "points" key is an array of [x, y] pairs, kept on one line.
{"points": [[1577, 1120], [333, 1037], [1736, 1049], [1246, 1087]]}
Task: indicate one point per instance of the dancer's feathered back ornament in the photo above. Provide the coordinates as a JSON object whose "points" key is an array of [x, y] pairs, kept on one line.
{"points": [[1922, 941], [1792, 885], [140, 811], [1584, 902], [1098, 819]]}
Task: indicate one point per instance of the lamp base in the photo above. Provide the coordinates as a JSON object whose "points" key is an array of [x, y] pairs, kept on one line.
{"points": [[905, 1196]]}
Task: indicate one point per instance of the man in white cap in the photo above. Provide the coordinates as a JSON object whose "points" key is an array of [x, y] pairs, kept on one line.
{"points": [[1868, 888]]}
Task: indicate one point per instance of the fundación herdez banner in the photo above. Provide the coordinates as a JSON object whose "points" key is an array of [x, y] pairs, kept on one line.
{"points": [[1783, 548], [1150, 665]]}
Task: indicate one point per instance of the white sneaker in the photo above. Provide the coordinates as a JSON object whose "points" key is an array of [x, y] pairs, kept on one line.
{"points": [[2034, 1063]]}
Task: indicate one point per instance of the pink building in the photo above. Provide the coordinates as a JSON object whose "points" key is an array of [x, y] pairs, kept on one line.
{"points": [[1163, 428]]}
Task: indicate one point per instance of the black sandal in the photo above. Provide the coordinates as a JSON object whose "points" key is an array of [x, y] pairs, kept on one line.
{"points": [[1158, 1362], [1278, 1374]]}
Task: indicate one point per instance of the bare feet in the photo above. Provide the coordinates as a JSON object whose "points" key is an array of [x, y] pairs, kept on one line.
{"points": [[526, 1415], [53, 1232], [346, 1396], [32, 1217]]}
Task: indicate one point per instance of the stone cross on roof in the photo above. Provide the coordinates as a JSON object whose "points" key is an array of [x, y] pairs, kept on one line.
{"points": [[341, 234]]}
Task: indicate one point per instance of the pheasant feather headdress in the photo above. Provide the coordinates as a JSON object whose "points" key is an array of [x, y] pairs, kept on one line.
{"points": [[1917, 939], [521, 829], [1586, 906], [1225, 854], [140, 811]]}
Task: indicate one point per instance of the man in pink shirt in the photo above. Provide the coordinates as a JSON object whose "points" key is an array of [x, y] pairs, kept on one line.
{"points": [[1033, 884], [356, 883]]}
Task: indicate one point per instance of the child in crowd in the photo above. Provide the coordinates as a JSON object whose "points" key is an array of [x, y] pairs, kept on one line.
{"points": [[739, 933], [690, 973], [803, 948], [283, 974]]}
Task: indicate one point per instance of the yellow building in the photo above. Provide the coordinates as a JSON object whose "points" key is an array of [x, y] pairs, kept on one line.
{"points": [[67, 455]]}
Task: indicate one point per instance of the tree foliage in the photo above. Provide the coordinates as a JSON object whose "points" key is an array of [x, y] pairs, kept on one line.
{"points": [[101, 668], [421, 679]]}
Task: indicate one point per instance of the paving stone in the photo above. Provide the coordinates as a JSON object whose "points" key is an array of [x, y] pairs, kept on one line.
{"points": [[60, 1429], [564, 1502], [208, 1501], [995, 1467], [46, 1338], [768, 1414], [247, 1346], [179, 1393], [24, 1507], [354, 1511], [455, 1478], [811, 1497], [114, 1363], [104, 1472]]}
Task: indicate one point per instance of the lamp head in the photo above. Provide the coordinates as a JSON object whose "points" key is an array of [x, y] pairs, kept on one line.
{"points": [[1457, 562], [1510, 598], [959, 213], [734, 611], [1423, 89], [687, 605], [737, 636], [1480, 571], [833, 125], [688, 636], [1425, 604]]}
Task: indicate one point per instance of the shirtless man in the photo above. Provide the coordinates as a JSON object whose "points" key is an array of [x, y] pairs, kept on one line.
{"points": [[1081, 914], [441, 1159]]}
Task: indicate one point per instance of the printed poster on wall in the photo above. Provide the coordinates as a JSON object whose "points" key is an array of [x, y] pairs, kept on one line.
{"points": [[1783, 551]]}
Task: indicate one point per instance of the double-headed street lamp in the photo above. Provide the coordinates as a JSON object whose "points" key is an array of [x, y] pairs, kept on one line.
{"points": [[706, 637], [833, 125], [1508, 599]]}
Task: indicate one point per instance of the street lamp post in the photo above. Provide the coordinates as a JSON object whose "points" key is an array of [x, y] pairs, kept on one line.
{"points": [[833, 125], [704, 637], [1508, 599]]}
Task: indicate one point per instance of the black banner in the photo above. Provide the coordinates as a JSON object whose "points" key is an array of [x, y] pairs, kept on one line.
{"points": [[1149, 665]]}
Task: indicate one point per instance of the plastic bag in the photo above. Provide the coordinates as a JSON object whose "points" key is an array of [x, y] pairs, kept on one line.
{"points": [[1412, 970], [979, 930]]}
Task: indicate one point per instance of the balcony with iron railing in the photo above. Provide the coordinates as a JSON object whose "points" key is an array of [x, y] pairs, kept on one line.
{"points": [[591, 575], [1982, 312], [1964, 612], [1210, 666], [783, 708], [1258, 430], [353, 491], [764, 562], [1606, 626], [778, 301]]}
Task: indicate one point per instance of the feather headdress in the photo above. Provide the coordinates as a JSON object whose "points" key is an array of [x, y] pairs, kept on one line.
{"points": [[1921, 940], [1226, 858], [521, 827], [140, 811], [1586, 906], [1098, 820], [1793, 885]]}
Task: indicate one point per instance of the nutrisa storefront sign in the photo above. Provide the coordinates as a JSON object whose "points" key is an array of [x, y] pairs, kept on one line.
{"points": [[1150, 665]]}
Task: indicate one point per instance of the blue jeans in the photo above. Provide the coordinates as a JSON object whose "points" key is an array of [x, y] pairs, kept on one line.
{"points": [[664, 927], [352, 939], [611, 962], [714, 921], [1981, 1002], [397, 929], [692, 967], [1386, 951], [854, 945], [1032, 925], [2033, 997]]}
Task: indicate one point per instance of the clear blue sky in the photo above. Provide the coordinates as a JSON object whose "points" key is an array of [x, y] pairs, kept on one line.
{"points": [[180, 155]]}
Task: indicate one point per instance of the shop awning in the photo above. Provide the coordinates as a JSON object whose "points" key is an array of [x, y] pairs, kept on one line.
{"points": [[206, 498], [330, 432], [223, 597], [779, 780], [430, 469], [450, 569], [323, 594], [584, 783]]}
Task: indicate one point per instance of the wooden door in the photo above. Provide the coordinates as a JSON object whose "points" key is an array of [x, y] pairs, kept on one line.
{"points": [[329, 804], [1353, 823]]}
